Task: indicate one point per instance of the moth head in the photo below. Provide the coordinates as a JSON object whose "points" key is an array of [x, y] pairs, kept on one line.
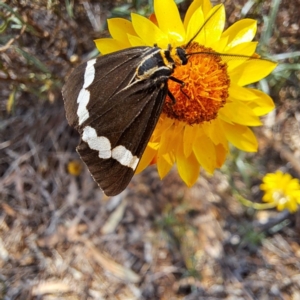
{"points": [[179, 56]]}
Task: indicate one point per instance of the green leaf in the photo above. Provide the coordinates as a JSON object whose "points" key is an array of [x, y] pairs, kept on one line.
{"points": [[35, 61]]}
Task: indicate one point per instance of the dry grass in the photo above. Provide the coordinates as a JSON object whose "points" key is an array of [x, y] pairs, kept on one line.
{"points": [[60, 238]]}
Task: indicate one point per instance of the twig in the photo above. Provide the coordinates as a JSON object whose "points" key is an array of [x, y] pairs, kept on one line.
{"points": [[271, 222], [12, 40], [287, 155]]}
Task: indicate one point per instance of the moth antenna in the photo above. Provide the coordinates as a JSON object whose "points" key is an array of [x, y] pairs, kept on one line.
{"points": [[204, 24], [233, 56]]}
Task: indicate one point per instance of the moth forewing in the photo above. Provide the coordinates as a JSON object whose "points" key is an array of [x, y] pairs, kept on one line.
{"points": [[114, 116]]}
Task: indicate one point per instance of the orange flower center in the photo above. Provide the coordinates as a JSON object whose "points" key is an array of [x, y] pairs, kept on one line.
{"points": [[205, 89]]}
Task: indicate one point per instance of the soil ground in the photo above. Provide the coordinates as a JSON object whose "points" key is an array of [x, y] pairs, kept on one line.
{"points": [[60, 238]]}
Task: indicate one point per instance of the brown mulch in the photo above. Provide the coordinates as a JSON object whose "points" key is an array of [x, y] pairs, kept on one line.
{"points": [[60, 238]]}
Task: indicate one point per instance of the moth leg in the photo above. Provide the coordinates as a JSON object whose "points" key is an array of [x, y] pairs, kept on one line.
{"points": [[181, 86], [172, 97]]}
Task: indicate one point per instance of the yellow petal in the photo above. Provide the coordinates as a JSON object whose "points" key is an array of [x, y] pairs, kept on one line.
{"points": [[135, 41], [220, 45], [146, 159], [258, 101], [149, 32], [240, 32], [195, 23], [293, 184], [241, 93], [188, 167], [153, 145], [264, 103], [240, 54], [164, 166], [162, 126], [238, 112], [224, 118], [213, 26], [205, 152], [189, 136], [251, 71], [214, 131], [169, 21], [167, 150], [243, 49], [240, 136], [291, 206], [119, 29], [221, 153], [205, 7], [281, 206], [107, 45]]}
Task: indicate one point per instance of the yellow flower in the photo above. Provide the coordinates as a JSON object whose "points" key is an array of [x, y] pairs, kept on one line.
{"points": [[282, 190], [74, 167], [213, 108]]}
